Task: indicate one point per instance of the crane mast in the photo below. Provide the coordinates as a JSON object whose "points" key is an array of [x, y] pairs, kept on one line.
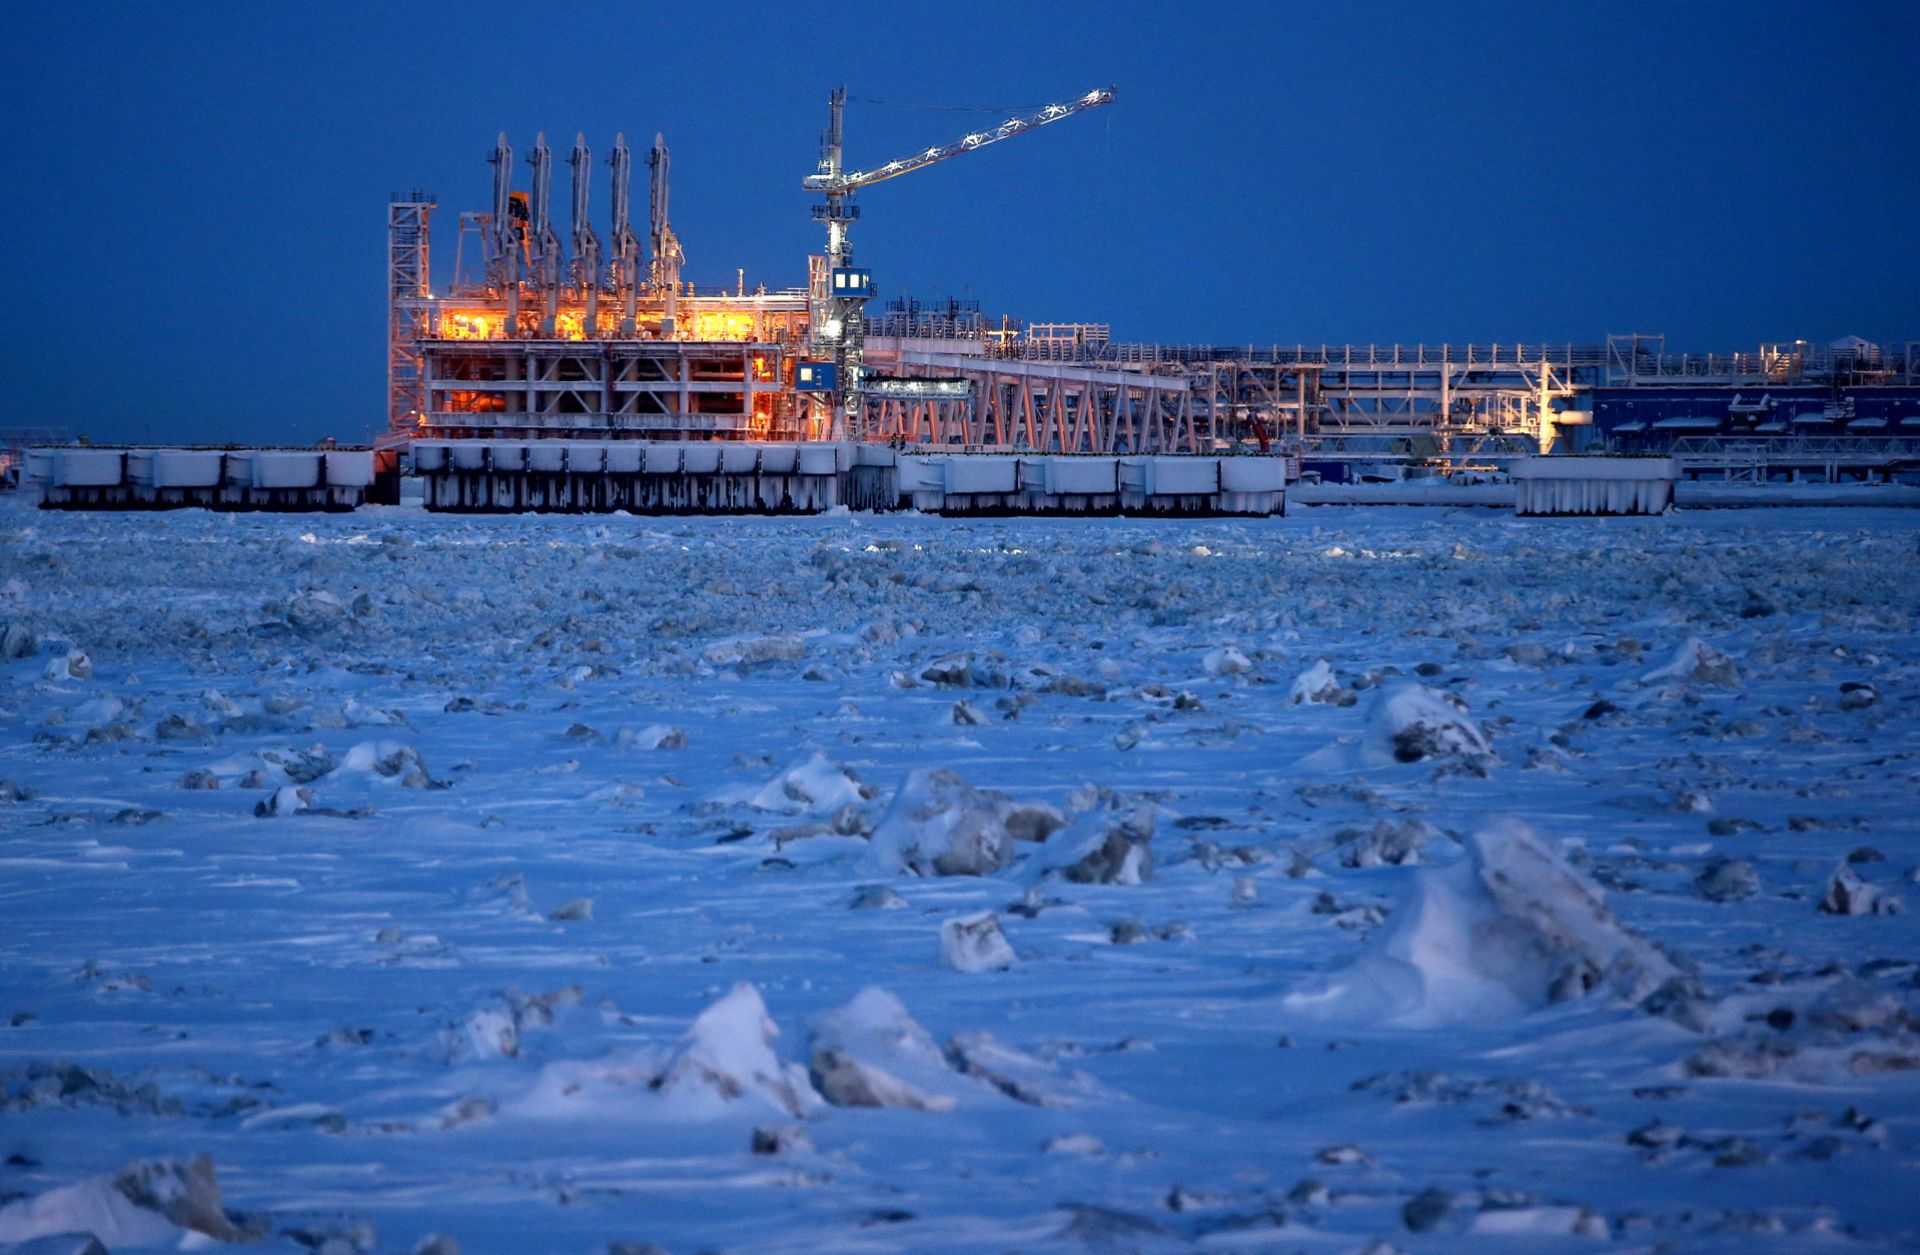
{"points": [[840, 292]]}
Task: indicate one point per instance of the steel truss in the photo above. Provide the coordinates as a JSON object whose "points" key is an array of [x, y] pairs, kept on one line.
{"points": [[407, 307], [1761, 458], [1042, 406]]}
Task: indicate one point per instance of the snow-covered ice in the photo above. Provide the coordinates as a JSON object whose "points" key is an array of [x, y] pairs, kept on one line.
{"points": [[1362, 880]]}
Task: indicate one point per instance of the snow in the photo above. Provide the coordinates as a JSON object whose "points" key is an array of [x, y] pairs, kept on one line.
{"points": [[574, 881]]}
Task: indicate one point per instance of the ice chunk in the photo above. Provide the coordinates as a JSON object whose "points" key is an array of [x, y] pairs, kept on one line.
{"points": [[72, 665], [1539, 1222], [489, 1033], [1014, 1073], [177, 727], [1033, 821], [1391, 842], [871, 1053], [940, 825], [19, 641], [316, 611], [876, 898], [1728, 880], [285, 800], [1410, 722], [150, 1203], [965, 714], [1507, 928], [1094, 850], [655, 736], [386, 759], [728, 1054], [97, 711], [92, 1206], [1848, 894], [810, 785], [1316, 685], [780, 1139], [1104, 1229], [219, 705], [1074, 1144], [1698, 661], [747, 651], [974, 943], [1226, 660]]}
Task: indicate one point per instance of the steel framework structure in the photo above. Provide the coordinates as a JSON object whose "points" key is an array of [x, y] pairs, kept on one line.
{"points": [[1041, 406], [407, 300], [1760, 459], [632, 387], [1211, 397]]}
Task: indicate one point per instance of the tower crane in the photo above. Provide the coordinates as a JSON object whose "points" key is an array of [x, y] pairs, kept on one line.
{"points": [[841, 293]]}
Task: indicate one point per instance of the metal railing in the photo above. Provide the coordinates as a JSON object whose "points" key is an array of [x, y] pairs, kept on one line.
{"points": [[1796, 450], [466, 419], [1406, 357], [1624, 363], [1352, 357]]}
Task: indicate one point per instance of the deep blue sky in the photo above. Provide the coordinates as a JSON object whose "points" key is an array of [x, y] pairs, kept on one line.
{"points": [[195, 236]]}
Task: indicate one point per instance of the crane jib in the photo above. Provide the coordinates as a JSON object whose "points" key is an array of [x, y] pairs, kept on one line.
{"points": [[838, 289], [847, 182]]}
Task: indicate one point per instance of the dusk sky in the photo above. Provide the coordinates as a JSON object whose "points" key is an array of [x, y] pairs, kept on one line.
{"points": [[196, 240]]}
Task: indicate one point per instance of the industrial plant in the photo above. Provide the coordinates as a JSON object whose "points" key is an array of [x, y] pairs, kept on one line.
{"points": [[579, 369]]}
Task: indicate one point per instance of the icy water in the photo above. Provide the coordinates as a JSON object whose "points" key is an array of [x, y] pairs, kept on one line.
{"points": [[388, 861]]}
